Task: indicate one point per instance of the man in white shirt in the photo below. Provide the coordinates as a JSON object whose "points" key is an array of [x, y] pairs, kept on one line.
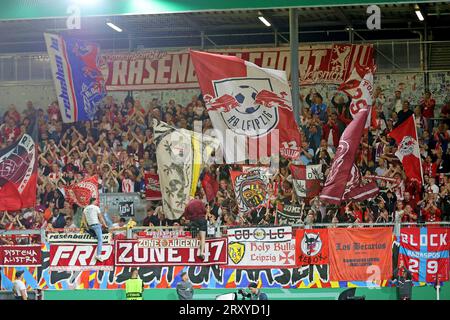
{"points": [[93, 218], [433, 188], [19, 288]]}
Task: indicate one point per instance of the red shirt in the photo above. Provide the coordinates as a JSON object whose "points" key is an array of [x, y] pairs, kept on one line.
{"points": [[195, 210], [432, 217], [428, 108], [430, 169]]}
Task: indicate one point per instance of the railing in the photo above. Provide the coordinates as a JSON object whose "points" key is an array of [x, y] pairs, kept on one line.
{"points": [[132, 233]]}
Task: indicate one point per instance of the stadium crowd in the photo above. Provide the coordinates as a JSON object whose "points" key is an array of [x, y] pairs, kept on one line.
{"points": [[118, 147]]}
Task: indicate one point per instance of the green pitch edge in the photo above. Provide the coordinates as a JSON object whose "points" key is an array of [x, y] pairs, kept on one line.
{"points": [[419, 293]]}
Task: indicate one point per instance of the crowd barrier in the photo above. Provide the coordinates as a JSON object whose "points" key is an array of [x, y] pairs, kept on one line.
{"points": [[132, 233], [274, 256]]}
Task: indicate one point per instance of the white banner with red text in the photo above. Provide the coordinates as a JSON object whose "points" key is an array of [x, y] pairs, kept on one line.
{"points": [[157, 70], [71, 257]]}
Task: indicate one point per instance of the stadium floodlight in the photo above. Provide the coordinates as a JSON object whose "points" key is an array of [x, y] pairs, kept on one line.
{"points": [[263, 20], [418, 13], [113, 26]]}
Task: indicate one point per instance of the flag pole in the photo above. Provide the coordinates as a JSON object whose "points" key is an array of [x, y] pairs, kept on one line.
{"points": [[420, 157]]}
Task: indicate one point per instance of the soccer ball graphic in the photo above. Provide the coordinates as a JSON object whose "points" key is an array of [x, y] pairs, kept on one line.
{"points": [[246, 95]]}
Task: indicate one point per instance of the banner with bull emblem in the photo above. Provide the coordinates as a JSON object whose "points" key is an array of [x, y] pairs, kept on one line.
{"points": [[312, 247], [250, 107], [251, 189]]}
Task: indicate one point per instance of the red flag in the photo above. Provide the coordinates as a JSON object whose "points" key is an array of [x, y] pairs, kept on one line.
{"points": [[210, 186], [408, 148], [152, 187], [306, 180], [81, 192], [18, 174], [250, 105], [344, 180]]}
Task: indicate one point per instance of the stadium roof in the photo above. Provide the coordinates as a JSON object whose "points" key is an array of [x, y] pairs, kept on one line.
{"points": [[230, 27]]}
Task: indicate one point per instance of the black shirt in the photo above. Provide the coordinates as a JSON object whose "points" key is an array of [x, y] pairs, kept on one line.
{"points": [[403, 115]]}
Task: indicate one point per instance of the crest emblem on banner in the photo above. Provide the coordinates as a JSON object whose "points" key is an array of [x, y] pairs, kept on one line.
{"points": [[248, 106], [251, 190], [311, 244], [406, 147], [236, 251]]}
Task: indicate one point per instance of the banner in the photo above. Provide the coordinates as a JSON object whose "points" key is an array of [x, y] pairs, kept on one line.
{"points": [[287, 214], [357, 254], [261, 254], [180, 156], [156, 70], [425, 253], [261, 247], [20, 256], [250, 107], [71, 257], [306, 180], [408, 150], [144, 253], [259, 234], [126, 209], [18, 174], [77, 75], [152, 187], [81, 192], [76, 238], [207, 277], [344, 181], [312, 246], [251, 189]]}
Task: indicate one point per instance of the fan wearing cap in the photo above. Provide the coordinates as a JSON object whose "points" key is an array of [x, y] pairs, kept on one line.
{"points": [[19, 289], [256, 293]]}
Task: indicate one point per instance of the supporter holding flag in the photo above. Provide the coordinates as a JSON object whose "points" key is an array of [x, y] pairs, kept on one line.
{"points": [[404, 114], [427, 105], [195, 213]]}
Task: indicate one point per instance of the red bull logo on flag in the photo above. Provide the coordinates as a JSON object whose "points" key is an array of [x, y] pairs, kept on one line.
{"points": [[242, 113], [250, 107]]}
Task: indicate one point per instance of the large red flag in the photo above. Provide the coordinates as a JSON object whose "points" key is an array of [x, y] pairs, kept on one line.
{"points": [[18, 174], [344, 181], [408, 148], [250, 107], [81, 192]]}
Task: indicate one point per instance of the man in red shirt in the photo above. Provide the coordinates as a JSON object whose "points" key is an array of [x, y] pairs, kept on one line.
{"points": [[409, 215], [427, 105], [195, 213], [431, 213]]}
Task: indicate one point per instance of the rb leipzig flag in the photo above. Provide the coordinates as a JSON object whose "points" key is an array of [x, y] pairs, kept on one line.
{"points": [[77, 74], [81, 192], [408, 148], [250, 107]]}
